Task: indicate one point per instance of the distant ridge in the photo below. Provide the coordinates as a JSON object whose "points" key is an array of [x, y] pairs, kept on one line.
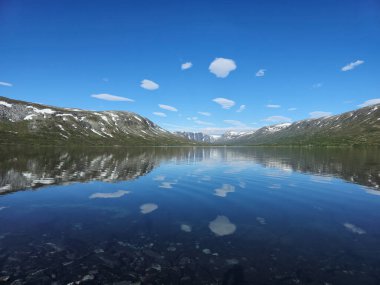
{"points": [[196, 136], [358, 127]]}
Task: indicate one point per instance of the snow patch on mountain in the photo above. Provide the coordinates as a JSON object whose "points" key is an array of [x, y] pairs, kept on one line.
{"points": [[5, 104]]}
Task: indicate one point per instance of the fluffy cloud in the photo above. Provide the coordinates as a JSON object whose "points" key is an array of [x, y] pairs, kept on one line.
{"points": [[160, 114], [7, 84], [109, 97], [277, 119], [186, 65], [235, 123], [205, 114], [273, 106], [167, 107], [352, 65], [199, 122], [241, 108], [149, 84], [260, 73], [225, 103], [292, 109], [319, 114], [222, 67], [370, 102]]}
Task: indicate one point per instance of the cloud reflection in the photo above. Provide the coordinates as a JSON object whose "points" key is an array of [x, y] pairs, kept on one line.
{"points": [[222, 226]]}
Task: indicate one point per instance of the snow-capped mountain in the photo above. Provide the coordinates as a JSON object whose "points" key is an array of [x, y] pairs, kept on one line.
{"points": [[26, 122], [198, 137], [232, 135], [358, 127]]}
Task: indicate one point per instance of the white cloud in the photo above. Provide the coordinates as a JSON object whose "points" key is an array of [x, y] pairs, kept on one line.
{"points": [[205, 114], [149, 84], [370, 102], [186, 65], [174, 127], [225, 103], [7, 84], [241, 108], [222, 67], [235, 123], [292, 109], [319, 114], [260, 73], [352, 65], [109, 97], [167, 107], [278, 119], [199, 122], [317, 85], [160, 114], [273, 106]]}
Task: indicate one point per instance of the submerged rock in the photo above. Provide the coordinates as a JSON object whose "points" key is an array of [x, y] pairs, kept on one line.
{"points": [[186, 228], [4, 278], [206, 251], [171, 248], [354, 229]]}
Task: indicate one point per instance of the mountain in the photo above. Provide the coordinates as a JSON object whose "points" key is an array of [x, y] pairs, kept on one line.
{"points": [[30, 123], [24, 122], [231, 135], [198, 137], [359, 127]]}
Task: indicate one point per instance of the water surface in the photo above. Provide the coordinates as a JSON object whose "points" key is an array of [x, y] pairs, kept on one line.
{"points": [[189, 216]]}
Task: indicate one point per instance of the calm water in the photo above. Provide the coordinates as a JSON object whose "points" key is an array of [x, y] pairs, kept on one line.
{"points": [[189, 216]]}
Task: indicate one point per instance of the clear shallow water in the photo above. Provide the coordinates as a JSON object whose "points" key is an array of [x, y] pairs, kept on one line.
{"points": [[190, 216]]}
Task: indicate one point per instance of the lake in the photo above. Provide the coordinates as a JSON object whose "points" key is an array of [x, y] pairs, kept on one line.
{"points": [[212, 215]]}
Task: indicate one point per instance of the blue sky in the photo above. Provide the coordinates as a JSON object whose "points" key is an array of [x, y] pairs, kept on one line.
{"points": [[314, 58]]}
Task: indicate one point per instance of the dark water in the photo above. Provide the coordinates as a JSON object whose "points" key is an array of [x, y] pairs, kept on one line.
{"points": [[189, 216]]}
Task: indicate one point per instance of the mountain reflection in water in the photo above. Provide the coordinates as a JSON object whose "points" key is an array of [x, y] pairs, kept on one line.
{"points": [[36, 167]]}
